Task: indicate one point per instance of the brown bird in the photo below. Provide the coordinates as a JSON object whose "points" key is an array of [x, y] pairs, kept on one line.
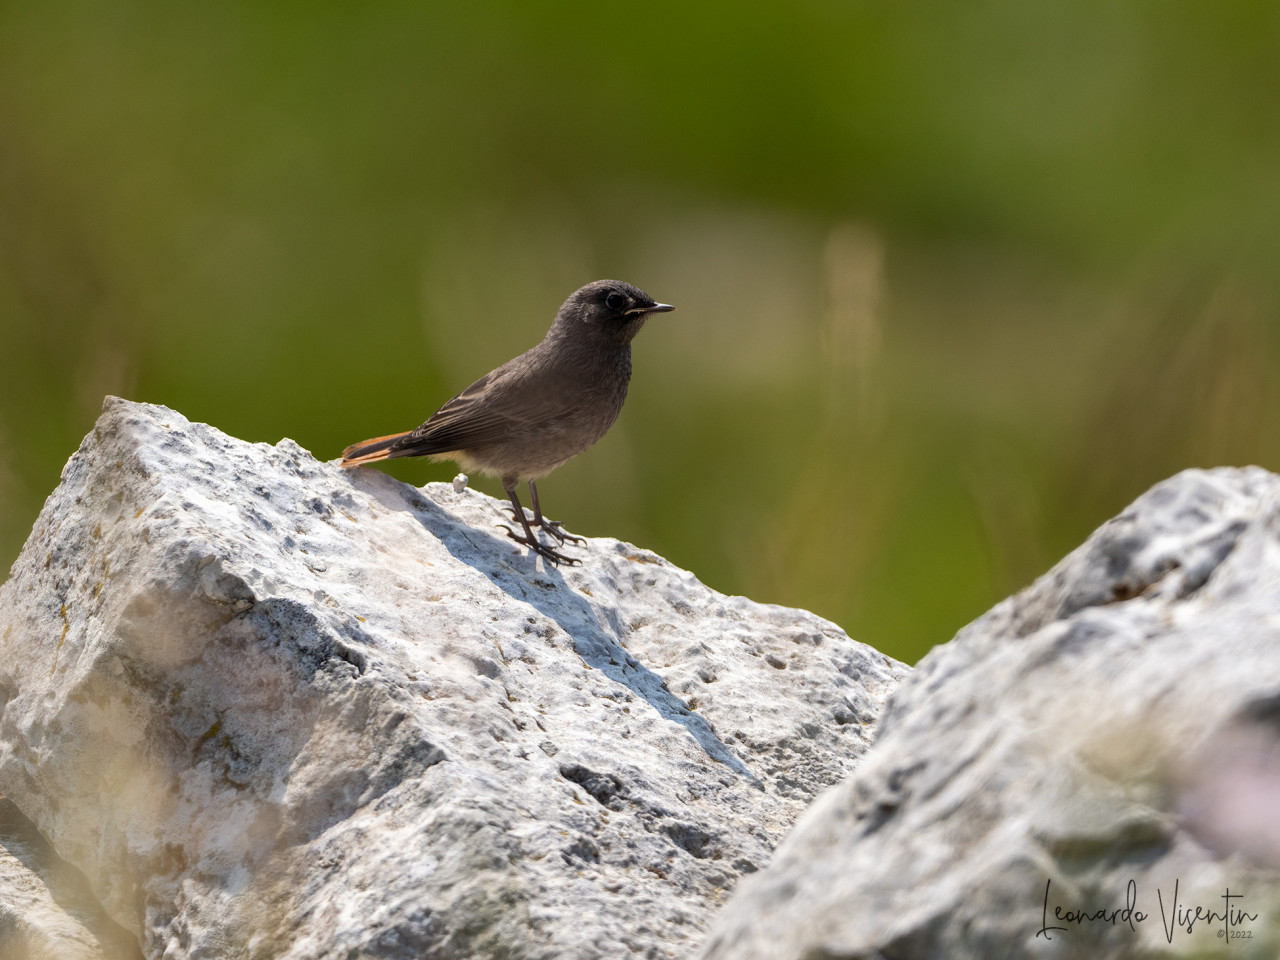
{"points": [[524, 419]]}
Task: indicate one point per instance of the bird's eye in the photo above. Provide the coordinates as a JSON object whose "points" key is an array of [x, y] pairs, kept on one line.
{"points": [[615, 301]]}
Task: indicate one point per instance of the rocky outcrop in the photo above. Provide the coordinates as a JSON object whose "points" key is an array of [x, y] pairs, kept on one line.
{"points": [[265, 708], [1091, 770], [272, 709]]}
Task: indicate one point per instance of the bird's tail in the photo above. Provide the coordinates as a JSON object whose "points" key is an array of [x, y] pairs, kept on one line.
{"points": [[368, 451]]}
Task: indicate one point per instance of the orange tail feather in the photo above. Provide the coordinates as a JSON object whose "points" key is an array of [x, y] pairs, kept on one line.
{"points": [[369, 451]]}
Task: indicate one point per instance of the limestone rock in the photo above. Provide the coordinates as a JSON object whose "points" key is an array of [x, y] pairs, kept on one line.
{"points": [[1118, 722], [273, 709], [47, 911]]}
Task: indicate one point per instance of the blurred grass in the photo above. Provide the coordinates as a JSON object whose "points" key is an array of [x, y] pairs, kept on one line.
{"points": [[956, 282]]}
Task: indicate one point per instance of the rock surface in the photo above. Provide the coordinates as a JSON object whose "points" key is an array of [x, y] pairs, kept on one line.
{"points": [[273, 709], [47, 911], [1117, 722]]}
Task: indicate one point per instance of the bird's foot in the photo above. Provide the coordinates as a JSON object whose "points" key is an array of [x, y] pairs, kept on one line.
{"points": [[553, 527], [556, 529], [540, 548]]}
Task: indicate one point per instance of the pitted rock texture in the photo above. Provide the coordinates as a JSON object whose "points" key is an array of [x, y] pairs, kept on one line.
{"points": [[1115, 728], [273, 709]]}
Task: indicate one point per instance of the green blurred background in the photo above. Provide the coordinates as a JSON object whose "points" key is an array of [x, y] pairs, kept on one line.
{"points": [[956, 281]]}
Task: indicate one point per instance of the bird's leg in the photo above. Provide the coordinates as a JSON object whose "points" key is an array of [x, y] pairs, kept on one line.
{"points": [[529, 540], [552, 527]]}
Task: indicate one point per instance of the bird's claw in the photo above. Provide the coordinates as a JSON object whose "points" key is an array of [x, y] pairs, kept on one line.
{"points": [[553, 527], [541, 549], [556, 529]]}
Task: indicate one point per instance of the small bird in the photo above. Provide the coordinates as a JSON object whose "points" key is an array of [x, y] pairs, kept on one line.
{"points": [[524, 419]]}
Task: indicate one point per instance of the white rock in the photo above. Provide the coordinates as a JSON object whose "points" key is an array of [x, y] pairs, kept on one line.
{"points": [[1117, 722], [47, 911], [276, 709]]}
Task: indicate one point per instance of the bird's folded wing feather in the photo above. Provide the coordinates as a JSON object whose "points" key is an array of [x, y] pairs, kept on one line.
{"points": [[488, 411]]}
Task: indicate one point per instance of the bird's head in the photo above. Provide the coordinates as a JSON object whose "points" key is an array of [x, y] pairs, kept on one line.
{"points": [[616, 309]]}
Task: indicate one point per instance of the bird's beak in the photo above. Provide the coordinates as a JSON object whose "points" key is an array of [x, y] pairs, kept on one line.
{"points": [[655, 308]]}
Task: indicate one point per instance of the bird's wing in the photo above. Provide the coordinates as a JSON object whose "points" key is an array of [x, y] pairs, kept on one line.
{"points": [[488, 411]]}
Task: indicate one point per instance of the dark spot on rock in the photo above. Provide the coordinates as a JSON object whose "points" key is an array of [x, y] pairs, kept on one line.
{"points": [[1124, 591], [690, 838], [608, 790], [582, 848]]}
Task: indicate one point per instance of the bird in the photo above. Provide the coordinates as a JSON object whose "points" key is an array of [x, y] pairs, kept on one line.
{"points": [[525, 418]]}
